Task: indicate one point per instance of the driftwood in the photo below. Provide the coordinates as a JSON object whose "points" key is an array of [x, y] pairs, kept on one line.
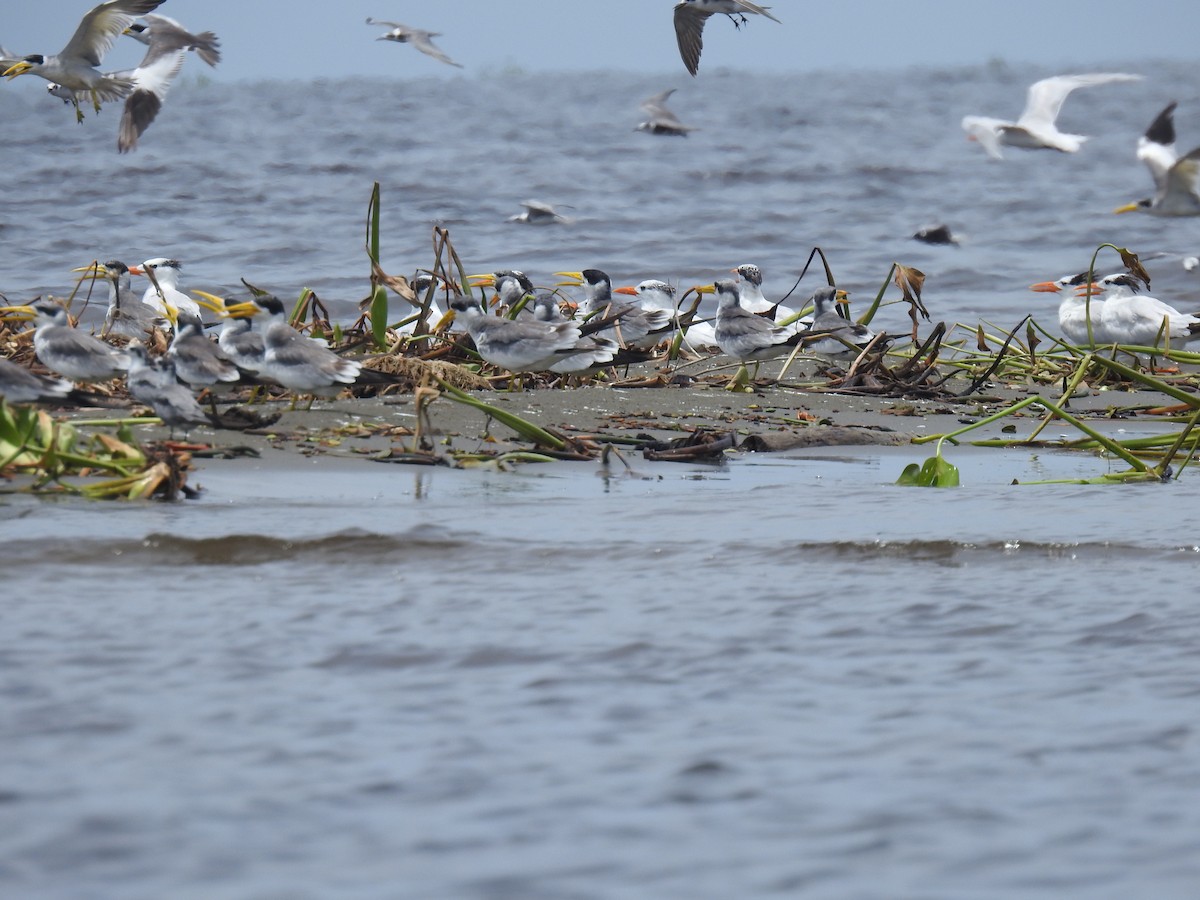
{"points": [[824, 436]]}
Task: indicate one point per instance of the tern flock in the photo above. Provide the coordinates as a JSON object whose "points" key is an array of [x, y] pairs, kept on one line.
{"points": [[257, 344]]}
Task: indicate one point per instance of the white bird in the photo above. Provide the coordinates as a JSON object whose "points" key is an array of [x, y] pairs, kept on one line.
{"points": [[238, 340], [1129, 317], [66, 350], [753, 300], [75, 66], [1075, 309], [1036, 128], [159, 28], [1176, 180], [691, 15], [126, 314], [421, 40], [662, 119], [637, 327], [538, 213], [164, 287]]}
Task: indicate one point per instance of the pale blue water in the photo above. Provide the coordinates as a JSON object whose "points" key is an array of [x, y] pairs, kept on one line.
{"points": [[783, 677]]}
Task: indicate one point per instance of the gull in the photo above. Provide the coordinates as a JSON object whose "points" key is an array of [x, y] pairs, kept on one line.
{"points": [[154, 382], [1036, 129], [829, 331], [66, 350], [1075, 309], [638, 328], [126, 315], [1177, 187], [421, 40], [164, 292], [19, 385], [74, 67], [168, 31], [662, 120], [1129, 317], [538, 213], [690, 16]]}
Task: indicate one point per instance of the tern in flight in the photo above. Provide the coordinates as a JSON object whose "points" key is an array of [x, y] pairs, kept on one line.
{"points": [[1036, 128], [75, 66], [691, 15], [421, 40], [1176, 179]]}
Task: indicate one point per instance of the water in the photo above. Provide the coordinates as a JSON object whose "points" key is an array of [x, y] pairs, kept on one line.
{"points": [[780, 677]]}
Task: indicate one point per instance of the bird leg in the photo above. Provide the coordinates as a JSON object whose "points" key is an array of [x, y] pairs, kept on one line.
{"points": [[95, 103], [78, 111], [738, 19]]}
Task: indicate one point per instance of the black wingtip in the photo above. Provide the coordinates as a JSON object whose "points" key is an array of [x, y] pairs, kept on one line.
{"points": [[1162, 129]]}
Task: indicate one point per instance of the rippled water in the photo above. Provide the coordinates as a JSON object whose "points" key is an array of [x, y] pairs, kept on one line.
{"points": [[781, 677]]}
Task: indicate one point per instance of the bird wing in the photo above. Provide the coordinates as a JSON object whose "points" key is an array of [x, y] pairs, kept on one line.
{"points": [[371, 21], [101, 25], [1046, 97], [168, 35], [755, 8], [986, 131], [421, 40], [689, 34], [657, 105], [1156, 148], [1184, 176]]}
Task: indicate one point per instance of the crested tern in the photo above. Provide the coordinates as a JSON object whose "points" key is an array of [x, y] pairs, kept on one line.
{"points": [[655, 294], [75, 66], [1075, 309], [421, 40], [238, 340], [67, 350], [163, 292], [1130, 317], [1036, 128], [1176, 179], [662, 119], [753, 300], [691, 16], [637, 327], [154, 382], [126, 315], [161, 29]]}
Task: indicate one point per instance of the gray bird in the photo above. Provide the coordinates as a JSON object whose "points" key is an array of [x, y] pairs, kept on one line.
{"points": [[66, 350], [691, 16], [421, 40], [206, 45], [126, 314], [154, 383], [662, 120], [1176, 179], [830, 330], [19, 385]]}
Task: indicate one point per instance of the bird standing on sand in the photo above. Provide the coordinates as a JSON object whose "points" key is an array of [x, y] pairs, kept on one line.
{"points": [[691, 16], [75, 66], [19, 385], [154, 383], [1130, 317], [421, 40], [1176, 180], [163, 291], [66, 350], [1036, 128], [126, 314], [830, 332]]}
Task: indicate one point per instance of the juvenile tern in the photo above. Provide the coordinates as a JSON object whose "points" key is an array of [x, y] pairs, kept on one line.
{"points": [[1130, 317], [198, 361], [741, 334], [829, 331], [421, 40], [539, 213], [126, 314], [691, 16], [238, 340], [159, 28], [75, 66], [19, 385], [1073, 311], [66, 350], [662, 120], [1036, 128], [753, 300], [163, 291], [511, 286], [1176, 180], [154, 383]]}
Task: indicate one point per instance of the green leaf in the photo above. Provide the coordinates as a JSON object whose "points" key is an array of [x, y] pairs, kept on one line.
{"points": [[379, 316], [936, 472]]}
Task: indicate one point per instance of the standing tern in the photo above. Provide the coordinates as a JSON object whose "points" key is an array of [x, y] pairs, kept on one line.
{"points": [[199, 362], [1036, 128], [638, 327], [1129, 317], [126, 315], [1176, 180], [830, 332], [753, 300], [154, 383], [164, 286], [66, 350], [662, 119], [743, 335], [691, 15], [75, 66], [19, 385], [159, 28], [1076, 309], [421, 40], [238, 340], [655, 294]]}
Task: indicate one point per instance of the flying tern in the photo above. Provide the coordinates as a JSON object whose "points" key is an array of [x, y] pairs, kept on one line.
{"points": [[539, 213], [662, 120], [691, 16], [66, 350], [75, 66], [167, 31], [421, 40], [1176, 179], [1036, 128]]}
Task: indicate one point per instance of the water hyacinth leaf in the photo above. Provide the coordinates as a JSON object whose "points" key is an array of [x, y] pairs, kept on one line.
{"points": [[935, 472]]}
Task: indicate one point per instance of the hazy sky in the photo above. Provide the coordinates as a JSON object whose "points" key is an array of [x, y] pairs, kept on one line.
{"points": [[300, 39]]}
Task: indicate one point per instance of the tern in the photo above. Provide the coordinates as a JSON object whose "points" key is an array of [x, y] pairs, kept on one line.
{"points": [[19, 385], [126, 315], [66, 350], [159, 28], [743, 335], [638, 327], [1036, 128], [164, 292], [241, 344], [750, 292], [511, 286], [830, 332], [539, 213], [1129, 317], [1176, 181], [198, 361], [691, 15], [421, 40], [1075, 309], [662, 120], [75, 66], [154, 383]]}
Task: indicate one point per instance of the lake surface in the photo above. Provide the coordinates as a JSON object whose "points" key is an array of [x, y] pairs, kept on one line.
{"points": [[780, 677]]}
